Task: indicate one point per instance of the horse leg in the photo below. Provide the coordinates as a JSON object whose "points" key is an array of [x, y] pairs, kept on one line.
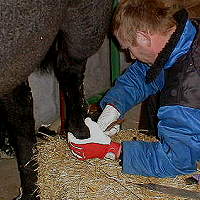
{"points": [[18, 107], [5, 146], [84, 28], [70, 75]]}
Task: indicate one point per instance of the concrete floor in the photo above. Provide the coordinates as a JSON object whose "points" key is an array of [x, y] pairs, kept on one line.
{"points": [[9, 179]]}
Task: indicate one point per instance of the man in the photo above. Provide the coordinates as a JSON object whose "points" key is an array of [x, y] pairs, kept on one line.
{"points": [[166, 46]]}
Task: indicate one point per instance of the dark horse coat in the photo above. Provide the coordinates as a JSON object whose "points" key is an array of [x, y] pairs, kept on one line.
{"points": [[63, 33]]}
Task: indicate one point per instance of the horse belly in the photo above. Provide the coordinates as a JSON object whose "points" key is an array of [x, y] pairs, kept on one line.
{"points": [[85, 26], [28, 28]]}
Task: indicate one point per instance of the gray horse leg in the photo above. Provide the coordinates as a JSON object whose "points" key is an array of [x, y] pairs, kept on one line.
{"points": [[70, 75], [84, 28], [18, 107]]}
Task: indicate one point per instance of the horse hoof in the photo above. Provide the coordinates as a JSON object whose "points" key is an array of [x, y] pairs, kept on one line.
{"points": [[44, 132]]}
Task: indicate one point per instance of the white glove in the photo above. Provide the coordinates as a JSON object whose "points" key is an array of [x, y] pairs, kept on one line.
{"points": [[108, 116], [96, 134], [98, 145]]}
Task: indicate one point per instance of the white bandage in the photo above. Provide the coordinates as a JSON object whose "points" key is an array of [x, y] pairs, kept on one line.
{"points": [[108, 116]]}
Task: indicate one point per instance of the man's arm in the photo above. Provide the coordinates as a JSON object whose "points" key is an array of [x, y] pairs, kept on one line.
{"points": [[131, 89]]}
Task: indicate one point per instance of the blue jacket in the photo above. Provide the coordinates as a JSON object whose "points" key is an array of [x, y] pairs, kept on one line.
{"points": [[178, 127]]}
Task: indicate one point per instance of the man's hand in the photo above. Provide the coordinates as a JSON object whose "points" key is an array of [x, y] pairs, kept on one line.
{"points": [[98, 145], [108, 120]]}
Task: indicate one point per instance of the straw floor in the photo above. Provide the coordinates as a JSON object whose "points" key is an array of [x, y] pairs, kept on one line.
{"points": [[62, 177]]}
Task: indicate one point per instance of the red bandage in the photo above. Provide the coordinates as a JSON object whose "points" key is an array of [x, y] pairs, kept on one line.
{"points": [[94, 150]]}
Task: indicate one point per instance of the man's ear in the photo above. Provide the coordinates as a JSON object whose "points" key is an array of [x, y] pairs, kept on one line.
{"points": [[143, 38]]}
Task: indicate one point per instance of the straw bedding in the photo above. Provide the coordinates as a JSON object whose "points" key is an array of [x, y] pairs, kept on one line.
{"points": [[62, 177]]}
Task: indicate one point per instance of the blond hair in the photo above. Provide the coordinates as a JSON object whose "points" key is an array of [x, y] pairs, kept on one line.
{"points": [[154, 16]]}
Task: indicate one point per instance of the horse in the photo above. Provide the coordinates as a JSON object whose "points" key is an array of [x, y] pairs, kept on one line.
{"points": [[35, 34]]}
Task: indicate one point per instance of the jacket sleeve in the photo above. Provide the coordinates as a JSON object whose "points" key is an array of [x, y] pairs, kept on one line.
{"points": [[178, 150], [131, 89]]}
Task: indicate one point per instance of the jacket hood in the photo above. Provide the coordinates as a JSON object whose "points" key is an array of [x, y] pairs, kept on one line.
{"points": [[183, 45], [178, 44]]}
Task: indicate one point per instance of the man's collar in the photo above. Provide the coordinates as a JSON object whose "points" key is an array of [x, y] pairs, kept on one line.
{"points": [[181, 17]]}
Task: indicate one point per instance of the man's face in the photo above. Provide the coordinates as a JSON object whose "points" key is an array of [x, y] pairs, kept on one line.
{"points": [[142, 51]]}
